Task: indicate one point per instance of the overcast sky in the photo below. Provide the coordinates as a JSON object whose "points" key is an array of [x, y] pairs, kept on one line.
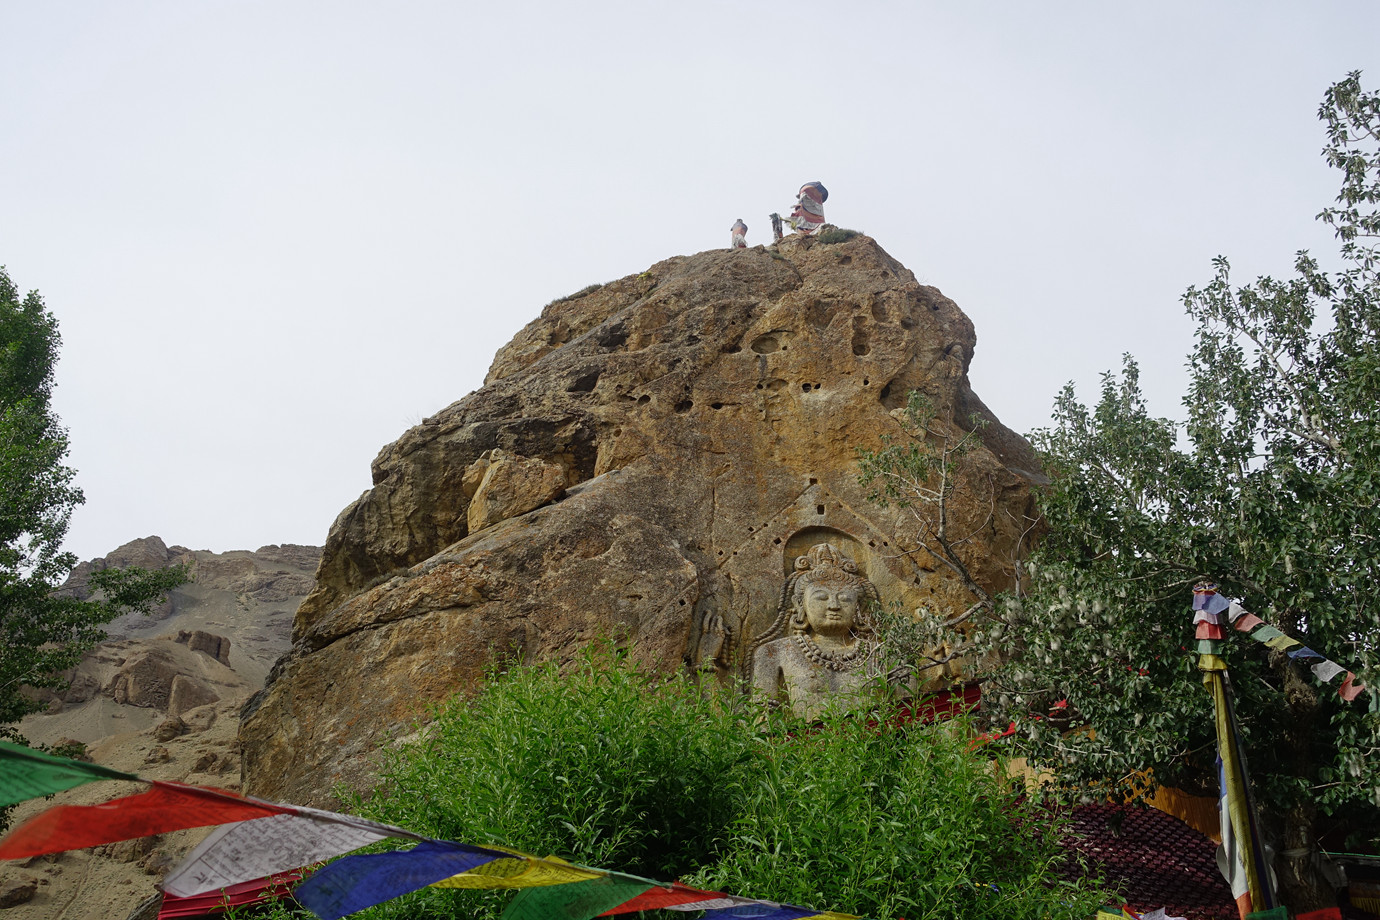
{"points": [[278, 234]]}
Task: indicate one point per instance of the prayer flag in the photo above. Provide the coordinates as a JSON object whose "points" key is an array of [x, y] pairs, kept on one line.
{"points": [[164, 808], [662, 897], [254, 891], [762, 910], [358, 882], [1265, 632], [518, 870], [1303, 651], [1208, 630], [1349, 690], [1247, 622], [578, 901], [252, 849], [1326, 670], [717, 902], [29, 774]]}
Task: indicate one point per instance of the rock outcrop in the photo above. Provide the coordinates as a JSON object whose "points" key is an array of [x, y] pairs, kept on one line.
{"points": [[161, 699], [674, 440]]}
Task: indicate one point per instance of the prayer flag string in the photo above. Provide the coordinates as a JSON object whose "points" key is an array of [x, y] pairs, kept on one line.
{"points": [[257, 842], [1212, 611]]}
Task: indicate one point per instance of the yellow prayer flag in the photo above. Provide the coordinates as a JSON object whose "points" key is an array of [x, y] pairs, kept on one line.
{"points": [[522, 871]]}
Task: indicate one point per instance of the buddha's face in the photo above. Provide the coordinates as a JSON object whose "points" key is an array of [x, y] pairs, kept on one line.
{"points": [[831, 609]]}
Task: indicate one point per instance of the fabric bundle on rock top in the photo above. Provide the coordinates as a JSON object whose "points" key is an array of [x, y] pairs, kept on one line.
{"points": [[808, 214], [739, 231]]}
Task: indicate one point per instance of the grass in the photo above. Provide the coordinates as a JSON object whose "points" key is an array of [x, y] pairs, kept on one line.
{"points": [[588, 289], [836, 235]]}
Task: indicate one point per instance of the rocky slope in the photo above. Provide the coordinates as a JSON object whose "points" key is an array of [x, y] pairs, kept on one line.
{"points": [[160, 699], [646, 460]]}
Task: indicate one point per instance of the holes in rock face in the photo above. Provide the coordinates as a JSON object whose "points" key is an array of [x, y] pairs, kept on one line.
{"points": [[616, 336], [716, 405], [819, 509], [860, 344], [777, 541], [682, 602], [732, 348], [804, 388], [814, 481], [879, 311], [584, 383], [618, 432], [886, 274], [766, 344], [684, 406], [692, 339], [643, 400], [775, 384], [885, 394], [846, 260], [866, 381]]}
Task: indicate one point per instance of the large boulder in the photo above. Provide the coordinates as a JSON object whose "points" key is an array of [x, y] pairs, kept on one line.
{"points": [[705, 415]]}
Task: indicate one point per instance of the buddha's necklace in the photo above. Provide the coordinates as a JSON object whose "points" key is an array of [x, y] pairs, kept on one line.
{"points": [[833, 660]]}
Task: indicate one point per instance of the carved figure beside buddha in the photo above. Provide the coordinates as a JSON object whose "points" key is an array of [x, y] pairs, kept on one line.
{"points": [[820, 650]]}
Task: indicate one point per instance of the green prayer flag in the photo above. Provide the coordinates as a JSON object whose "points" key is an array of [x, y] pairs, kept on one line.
{"points": [[1265, 632], [1209, 646], [29, 774], [578, 901]]}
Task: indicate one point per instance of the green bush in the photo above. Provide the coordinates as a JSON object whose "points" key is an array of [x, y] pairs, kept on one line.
{"points": [[836, 235], [886, 821], [610, 767]]}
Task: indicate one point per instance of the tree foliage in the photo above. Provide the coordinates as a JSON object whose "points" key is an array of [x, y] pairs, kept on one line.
{"points": [[1270, 487], [41, 633]]}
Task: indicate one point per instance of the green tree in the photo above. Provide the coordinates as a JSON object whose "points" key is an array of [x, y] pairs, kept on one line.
{"points": [[1272, 488], [41, 632]]}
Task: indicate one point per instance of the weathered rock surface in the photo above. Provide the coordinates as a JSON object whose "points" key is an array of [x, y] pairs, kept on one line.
{"points": [[160, 699], [500, 485], [705, 415]]}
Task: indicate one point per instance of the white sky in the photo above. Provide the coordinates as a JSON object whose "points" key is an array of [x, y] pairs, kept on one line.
{"points": [[277, 234]]}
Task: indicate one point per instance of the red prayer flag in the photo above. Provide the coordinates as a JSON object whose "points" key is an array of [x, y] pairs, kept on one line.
{"points": [[164, 808], [1209, 631], [213, 902], [1247, 622], [660, 897], [1350, 689]]}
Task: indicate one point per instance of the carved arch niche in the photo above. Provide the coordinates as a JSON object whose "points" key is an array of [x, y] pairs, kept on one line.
{"points": [[745, 589]]}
